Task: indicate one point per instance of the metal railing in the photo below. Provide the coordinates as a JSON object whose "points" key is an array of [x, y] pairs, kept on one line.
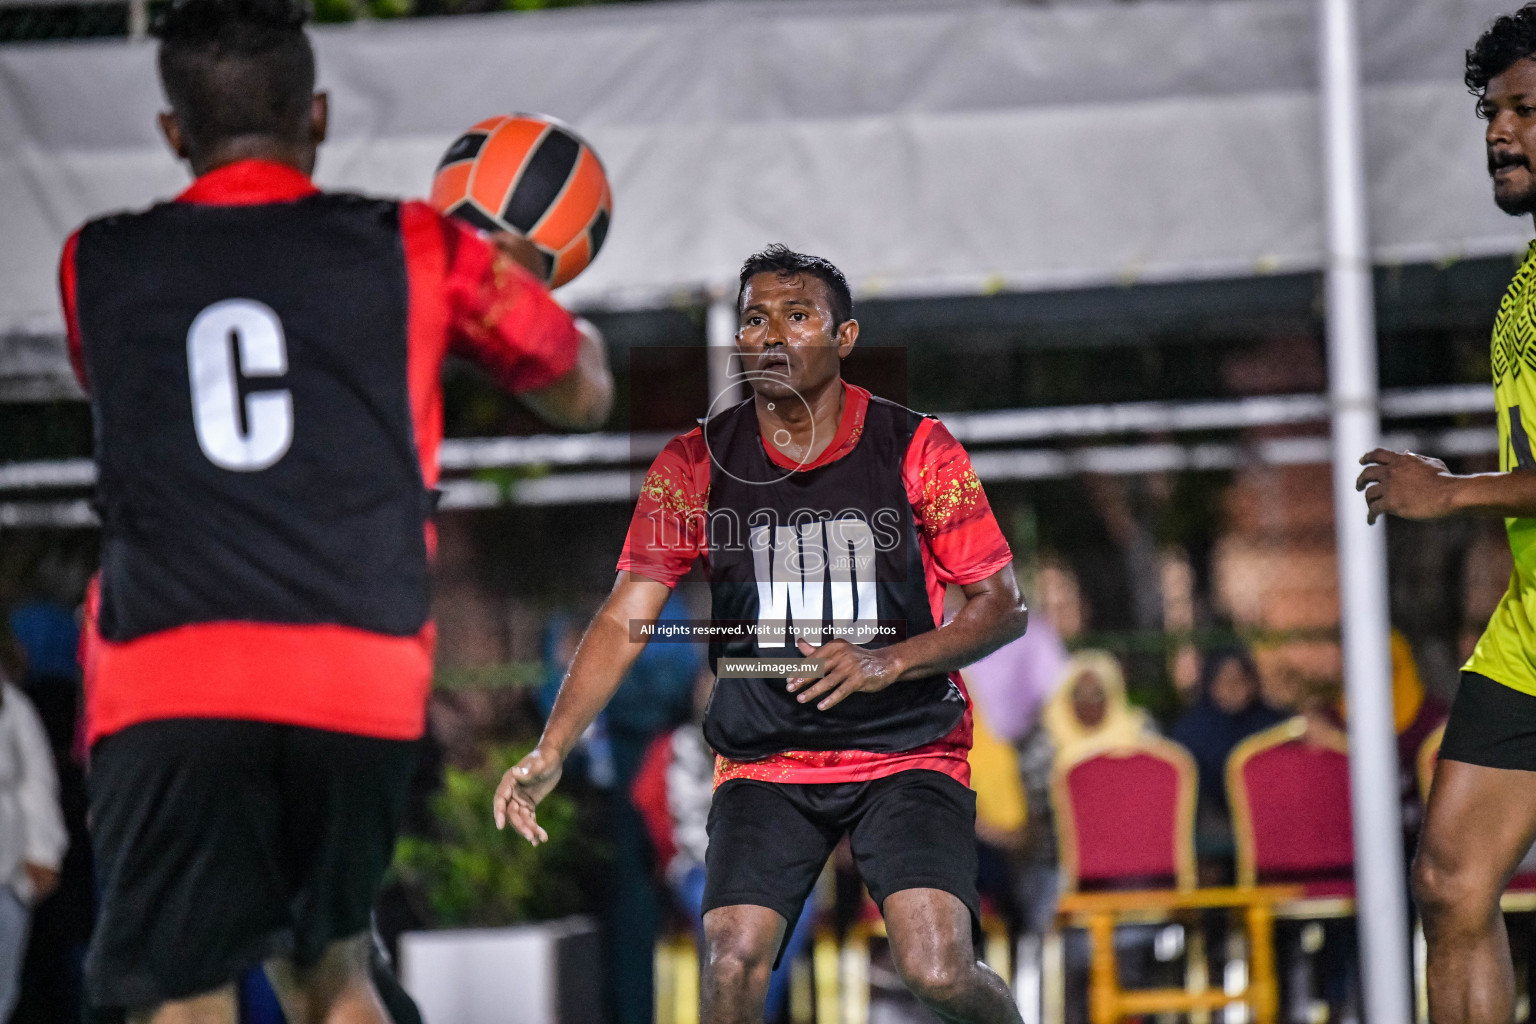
{"points": [[598, 468]]}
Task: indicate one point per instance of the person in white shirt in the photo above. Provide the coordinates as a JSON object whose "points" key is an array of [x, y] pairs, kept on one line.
{"points": [[32, 835]]}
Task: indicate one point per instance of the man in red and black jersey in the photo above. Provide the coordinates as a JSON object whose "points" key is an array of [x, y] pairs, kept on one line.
{"points": [[263, 363], [830, 522]]}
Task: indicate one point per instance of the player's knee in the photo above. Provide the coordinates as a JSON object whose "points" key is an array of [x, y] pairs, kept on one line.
{"points": [[1448, 895], [737, 959], [936, 980]]}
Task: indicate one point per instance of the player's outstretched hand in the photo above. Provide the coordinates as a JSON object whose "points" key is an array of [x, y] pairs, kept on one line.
{"points": [[44, 879], [850, 669], [521, 251], [1404, 484], [521, 789]]}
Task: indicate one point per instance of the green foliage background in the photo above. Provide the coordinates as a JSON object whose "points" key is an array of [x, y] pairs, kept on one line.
{"points": [[473, 875]]}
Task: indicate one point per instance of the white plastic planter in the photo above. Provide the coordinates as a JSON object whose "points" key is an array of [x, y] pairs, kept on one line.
{"points": [[528, 974]]}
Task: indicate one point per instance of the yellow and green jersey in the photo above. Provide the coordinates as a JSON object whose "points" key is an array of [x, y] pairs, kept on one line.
{"points": [[1506, 653]]}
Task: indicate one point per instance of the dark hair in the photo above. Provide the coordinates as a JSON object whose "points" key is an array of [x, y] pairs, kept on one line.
{"points": [[1217, 658], [1511, 38], [236, 68], [785, 262]]}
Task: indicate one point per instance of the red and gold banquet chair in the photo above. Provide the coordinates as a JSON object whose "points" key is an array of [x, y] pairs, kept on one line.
{"points": [[1289, 792], [1288, 787], [1125, 825]]}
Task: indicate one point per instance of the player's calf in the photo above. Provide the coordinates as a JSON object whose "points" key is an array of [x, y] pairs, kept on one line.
{"points": [[931, 943]]}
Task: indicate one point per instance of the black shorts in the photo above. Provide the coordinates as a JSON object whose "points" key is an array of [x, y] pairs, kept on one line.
{"points": [[220, 844], [768, 841], [1492, 725]]}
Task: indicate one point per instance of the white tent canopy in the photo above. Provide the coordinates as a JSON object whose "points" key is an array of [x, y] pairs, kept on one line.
{"points": [[927, 147]]}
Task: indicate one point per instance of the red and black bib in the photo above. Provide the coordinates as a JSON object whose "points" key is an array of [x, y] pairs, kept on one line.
{"points": [[831, 551], [254, 440]]}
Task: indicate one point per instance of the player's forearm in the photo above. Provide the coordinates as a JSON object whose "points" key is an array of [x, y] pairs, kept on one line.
{"points": [[1510, 495], [605, 655], [583, 397], [983, 624]]}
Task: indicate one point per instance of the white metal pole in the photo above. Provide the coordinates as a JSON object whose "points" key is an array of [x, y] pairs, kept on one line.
{"points": [[138, 19], [1362, 557], [724, 367]]}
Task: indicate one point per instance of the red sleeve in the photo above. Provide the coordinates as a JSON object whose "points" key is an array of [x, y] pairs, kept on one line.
{"points": [[501, 316], [88, 654], [953, 514], [667, 532], [648, 794], [71, 314]]}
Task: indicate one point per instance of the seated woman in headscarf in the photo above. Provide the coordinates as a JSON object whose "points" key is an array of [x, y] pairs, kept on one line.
{"points": [[1227, 711], [1090, 708], [1088, 712]]}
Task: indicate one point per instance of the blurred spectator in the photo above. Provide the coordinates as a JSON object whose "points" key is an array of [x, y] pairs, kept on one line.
{"points": [[1087, 708], [1416, 713], [672, 792], [1009, 689], [1001, 813], [1036, 881], [48, 636], [999, 786], [1013, 682], [32, 836], [655, 697], [1090, 707], [1284, 688], [1228, 709], [1089, 711]]}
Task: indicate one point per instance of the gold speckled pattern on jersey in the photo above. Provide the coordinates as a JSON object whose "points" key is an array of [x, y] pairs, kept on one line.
{"points": [[673, 496], [948, 494]]}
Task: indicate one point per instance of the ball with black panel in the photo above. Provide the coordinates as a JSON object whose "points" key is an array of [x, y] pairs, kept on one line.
{"points": [[534, 176]]}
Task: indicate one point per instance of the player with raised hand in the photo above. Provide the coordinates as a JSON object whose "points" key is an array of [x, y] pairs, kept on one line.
{"points": [[831, 522], [1481, 818], [263, 364]]}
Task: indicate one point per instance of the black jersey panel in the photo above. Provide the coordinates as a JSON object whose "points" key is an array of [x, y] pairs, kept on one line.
{"points": [[254, 440], [829, 552]]}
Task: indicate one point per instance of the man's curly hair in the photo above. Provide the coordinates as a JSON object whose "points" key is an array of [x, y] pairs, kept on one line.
{"points": [[1511, 38], [785, 262], [234, 68]]}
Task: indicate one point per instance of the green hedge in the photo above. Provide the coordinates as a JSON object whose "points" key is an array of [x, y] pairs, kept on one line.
{"points": [[474, 875]]}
